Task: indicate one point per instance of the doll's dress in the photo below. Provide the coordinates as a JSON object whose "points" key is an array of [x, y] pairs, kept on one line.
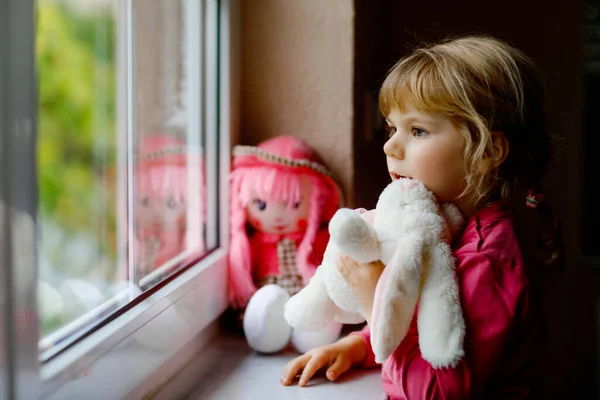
{"points": [[288, 278], [265, 327]]}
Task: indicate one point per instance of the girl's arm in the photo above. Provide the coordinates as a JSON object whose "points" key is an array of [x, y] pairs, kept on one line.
{"points": [[362, 278], [365, 333]]}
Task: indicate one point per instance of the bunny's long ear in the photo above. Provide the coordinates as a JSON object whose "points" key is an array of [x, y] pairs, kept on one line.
{"points": [[440, 320], [396, 296]]}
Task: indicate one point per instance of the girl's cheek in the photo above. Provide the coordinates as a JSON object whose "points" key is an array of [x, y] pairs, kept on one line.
{"points": [[302, 223]]}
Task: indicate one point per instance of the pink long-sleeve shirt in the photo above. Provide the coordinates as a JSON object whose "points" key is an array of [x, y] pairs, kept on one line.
{"points": [[503, 341]]}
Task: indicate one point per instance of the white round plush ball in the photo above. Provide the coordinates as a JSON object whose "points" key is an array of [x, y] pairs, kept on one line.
{"points": [[265, 327]]}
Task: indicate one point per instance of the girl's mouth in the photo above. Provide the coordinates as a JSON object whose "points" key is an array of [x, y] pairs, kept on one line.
{"points": [[396, 176]]}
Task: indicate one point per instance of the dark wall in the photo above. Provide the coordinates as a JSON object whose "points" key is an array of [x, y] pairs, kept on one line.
{"points": [[552, 34]]}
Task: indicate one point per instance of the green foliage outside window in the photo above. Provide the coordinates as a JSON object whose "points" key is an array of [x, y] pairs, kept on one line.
{"points": [[75, 57]]}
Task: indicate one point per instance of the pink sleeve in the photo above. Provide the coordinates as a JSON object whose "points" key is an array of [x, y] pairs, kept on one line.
{"points": [[490, 298], [366, 334]]}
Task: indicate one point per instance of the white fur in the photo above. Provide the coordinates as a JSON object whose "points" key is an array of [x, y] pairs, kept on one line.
{"points": [[410, 235]]}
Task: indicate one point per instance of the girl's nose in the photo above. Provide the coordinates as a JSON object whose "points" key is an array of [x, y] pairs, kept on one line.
{"points": [[394, 147]]}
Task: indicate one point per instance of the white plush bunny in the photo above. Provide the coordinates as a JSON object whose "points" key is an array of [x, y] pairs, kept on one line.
{"points": [[410, 235]]}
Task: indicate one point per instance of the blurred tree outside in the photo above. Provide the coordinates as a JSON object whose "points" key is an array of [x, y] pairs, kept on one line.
{"points": [[76, 73]]}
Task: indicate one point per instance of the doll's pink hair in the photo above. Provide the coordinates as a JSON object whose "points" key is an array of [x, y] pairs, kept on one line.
{"points": [[275, 181], [270, 183]]}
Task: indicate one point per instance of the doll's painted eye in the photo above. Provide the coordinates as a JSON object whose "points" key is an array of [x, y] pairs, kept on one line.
{"points": [[144, 201], [261, 205], [171, 203]]}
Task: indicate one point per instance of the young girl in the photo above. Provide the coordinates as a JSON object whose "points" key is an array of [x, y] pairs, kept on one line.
{"points": [[465, 117]]}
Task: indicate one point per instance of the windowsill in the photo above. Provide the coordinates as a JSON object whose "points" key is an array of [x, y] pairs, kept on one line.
{"points": [[229, 369]]}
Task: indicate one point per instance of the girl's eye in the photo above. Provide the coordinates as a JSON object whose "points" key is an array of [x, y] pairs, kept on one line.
{"points": [[296, 205], [260, 205], [418, 132], [144, 201], [171, 203], [390, 130]]}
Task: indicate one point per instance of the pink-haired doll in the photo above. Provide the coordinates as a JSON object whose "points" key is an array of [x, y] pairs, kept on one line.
{"points": [[282, 199], [167, 217]]}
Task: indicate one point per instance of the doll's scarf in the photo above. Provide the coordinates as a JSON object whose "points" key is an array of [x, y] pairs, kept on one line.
{"points": [[288, 277]]}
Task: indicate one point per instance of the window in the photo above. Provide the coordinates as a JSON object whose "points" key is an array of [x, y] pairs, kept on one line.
{"points": [[114, 179]]}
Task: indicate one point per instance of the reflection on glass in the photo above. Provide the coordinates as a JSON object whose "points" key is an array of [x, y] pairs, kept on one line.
{"points": [[121, 174], [168, 178], [167, 208]]}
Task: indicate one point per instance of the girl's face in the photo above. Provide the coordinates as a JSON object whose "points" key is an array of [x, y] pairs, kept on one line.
{"points": [[427, 147], [277, 216]]}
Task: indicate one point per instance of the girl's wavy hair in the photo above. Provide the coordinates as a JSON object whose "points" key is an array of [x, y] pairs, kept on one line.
{"points": [[484, 85]]}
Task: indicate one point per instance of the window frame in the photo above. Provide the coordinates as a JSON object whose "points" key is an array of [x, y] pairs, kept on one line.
{"points": [[121, 356]]}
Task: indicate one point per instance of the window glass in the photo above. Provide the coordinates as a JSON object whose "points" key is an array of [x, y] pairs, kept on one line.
{"points": [[121, 163]]}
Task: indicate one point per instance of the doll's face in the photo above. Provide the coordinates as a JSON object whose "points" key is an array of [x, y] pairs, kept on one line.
{"points": [[276, 216], [160, 213]]}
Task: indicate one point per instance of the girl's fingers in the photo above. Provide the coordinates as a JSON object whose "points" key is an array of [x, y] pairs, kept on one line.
{"points": [[347, 267], [342, 267], [340, 263], [340, 365], [293, 368], [315, 364]]}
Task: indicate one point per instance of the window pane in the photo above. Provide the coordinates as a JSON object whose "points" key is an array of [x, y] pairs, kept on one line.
{"points": [[76, 67], [122, 160]]}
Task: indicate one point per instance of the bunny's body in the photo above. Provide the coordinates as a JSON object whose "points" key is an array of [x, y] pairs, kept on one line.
{"points": [[408, 233]]}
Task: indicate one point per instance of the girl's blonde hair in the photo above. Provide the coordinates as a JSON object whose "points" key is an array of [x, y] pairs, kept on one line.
{"points": [[485, 86]]}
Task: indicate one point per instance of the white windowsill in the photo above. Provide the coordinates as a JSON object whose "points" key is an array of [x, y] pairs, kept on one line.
{"points": [[228, 369], [120, 357]]}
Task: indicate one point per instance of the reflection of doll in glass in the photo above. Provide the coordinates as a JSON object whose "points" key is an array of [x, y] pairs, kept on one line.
{"points": [[167, 219], [281, 201]]}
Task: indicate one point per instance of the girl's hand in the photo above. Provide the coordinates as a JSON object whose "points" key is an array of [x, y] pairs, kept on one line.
{"points": [[362, 279], [337, 357]]}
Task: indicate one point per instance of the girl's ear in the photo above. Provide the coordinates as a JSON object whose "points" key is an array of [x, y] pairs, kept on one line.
{"points": [[500, 149], [493, 158]]}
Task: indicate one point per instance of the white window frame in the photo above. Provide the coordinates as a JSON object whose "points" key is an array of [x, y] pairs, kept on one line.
{"points": [[115, 360]]}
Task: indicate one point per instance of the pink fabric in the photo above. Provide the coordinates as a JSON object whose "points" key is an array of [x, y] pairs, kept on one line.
{"points": [[503, 345]]}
